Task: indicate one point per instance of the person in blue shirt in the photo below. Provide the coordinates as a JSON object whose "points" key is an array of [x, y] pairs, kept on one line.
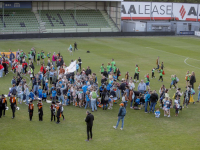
{"points": [[40, 92], [77, 67], [54, 94], [101, 89], [66, 100], [87, 100], [137, 102], [68, 96], [31, 95], [115, 76], [157, 113], [147, 99], [12, 57], [108, 87], [44, 95], [84, 87], [71, 80]]}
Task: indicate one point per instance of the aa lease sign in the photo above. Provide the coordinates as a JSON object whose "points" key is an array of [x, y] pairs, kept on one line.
{"points": [[160, 11]]}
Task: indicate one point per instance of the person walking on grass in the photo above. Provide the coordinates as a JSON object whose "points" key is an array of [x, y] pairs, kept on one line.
{"points": [[161, 75], [121, 115], [136, 75], [75, 46], [89, 120], [157, 63]]}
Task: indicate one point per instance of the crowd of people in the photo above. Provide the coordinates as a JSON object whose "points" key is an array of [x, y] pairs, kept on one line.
{"points": [[82, 89]]}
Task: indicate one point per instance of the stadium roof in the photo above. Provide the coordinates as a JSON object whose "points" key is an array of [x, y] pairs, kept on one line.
{"points": [[63, 0]]}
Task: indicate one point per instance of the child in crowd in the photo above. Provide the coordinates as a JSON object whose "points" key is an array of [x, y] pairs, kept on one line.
{"points": [[32, 95], [87, 97], [157, 113], [110, 101], [137, 102], [44, 95], [142, 100], [66, 100], [62, 109], [53, 94], [176, 105], [40, 91], [199, 93], [80, 97], [152, 75], [147, 81], [166, 107]]}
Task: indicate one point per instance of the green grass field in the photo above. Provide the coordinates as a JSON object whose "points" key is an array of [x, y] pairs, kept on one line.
{"points": [[141, 131]]}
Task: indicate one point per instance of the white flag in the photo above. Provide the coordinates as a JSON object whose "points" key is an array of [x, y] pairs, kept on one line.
{"points": [[71, 67]]}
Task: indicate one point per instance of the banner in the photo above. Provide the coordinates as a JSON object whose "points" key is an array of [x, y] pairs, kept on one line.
{"points": [[135, 10], [197, 33], [16, 5], [7, 54], [159, 11], [71, 67], [183, 11]]}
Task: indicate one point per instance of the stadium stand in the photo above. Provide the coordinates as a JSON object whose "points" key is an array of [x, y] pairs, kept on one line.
{"points": [[48, 21], [19, 21], [82, 20]]}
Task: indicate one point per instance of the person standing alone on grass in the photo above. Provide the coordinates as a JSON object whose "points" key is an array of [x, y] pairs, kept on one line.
{"points": [[137, 71], [75, 46], [89, 120], [121, 115]]}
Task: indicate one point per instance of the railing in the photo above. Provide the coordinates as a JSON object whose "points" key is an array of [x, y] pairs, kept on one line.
{"points": [[54, 30]]}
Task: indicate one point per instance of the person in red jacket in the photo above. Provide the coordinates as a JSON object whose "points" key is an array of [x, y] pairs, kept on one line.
{"points": [[24, 66], [1, 70], [42, 69]]}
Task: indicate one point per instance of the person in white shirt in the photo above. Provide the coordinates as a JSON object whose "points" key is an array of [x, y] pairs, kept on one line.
{"points": [[131, 84]]}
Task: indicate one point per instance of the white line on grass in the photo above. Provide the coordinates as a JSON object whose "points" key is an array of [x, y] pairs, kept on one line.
{"points": [[172, 53], [24, 76], [189, 64], [178, 55]]}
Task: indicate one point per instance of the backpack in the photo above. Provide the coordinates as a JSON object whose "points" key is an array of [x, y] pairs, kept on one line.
{"points": [[14, 91], [123, 112], [138, 69], [192, 91], [58, 92], [94, 95], [106, 97], [163, 72], [32, 53]]}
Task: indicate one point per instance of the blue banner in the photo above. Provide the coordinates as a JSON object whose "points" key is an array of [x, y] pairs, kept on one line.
{"points": [[16, 5], [186, 33]]}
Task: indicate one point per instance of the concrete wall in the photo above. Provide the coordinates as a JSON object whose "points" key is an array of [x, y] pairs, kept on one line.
{"points": [[91, 34]]}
